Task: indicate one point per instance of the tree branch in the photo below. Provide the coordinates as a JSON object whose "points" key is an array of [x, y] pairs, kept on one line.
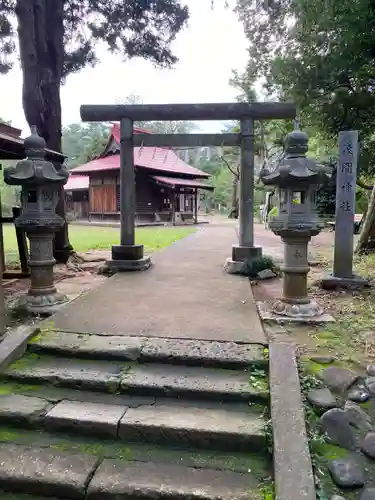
{"points": [[236, 174], [362, 185]]}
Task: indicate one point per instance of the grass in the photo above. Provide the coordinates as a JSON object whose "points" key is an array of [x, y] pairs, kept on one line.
{"points": [[350, 339], [85, 238]]}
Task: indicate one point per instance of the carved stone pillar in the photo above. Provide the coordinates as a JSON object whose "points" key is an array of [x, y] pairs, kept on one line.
{"points": [[40, 183], [297, 179]]}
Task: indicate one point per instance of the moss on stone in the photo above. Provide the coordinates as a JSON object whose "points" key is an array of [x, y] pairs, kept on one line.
{"points": [[98, 449], [265, 491], [18, 496], [367, 404], [8, 435], [329, 451], [28, 360], [8, 387], [257, 465], [36, 337], [314, 368], [258, 379]]}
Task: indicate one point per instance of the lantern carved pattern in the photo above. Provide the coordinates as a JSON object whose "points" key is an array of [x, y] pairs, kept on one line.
{"points": [[40, 182], [297, 179]]}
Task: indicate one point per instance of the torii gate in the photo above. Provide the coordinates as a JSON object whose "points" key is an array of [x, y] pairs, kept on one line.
{"points": [[127, 256]]}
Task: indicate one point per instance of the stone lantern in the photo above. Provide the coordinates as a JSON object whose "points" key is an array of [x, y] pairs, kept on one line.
{"points": [[296, 179], [40, 182]]}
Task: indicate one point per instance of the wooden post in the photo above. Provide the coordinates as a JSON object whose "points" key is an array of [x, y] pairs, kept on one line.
{"points": [[196, 206], [22, 244], [173, 208], [127, 183]]}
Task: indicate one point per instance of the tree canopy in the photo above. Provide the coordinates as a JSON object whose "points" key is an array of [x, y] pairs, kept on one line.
{"points": [[135, 29], [320, 54], [60, 37]]}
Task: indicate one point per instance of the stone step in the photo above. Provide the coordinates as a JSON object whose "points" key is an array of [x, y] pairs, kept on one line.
{"points": [[22, 496], [80, 476], [144, 380], [194, 383], [37, 471], [171, 424], [259, 464], [149, 350], [134, 480]]}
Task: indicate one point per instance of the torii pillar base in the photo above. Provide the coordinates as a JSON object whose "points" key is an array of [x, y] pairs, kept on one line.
{"points": [[127, 258]]}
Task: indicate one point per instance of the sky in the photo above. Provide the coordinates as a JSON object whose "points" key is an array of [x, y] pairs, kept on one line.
{"points": [[208, 49]]}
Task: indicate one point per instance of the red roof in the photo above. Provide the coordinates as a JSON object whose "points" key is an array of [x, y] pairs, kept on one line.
{"points": [[76, 182], [161, 159], [172, 181]]}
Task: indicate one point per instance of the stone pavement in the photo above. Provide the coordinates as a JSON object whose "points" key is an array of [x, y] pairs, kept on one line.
{"points": [[159, 390], [186, 294]]}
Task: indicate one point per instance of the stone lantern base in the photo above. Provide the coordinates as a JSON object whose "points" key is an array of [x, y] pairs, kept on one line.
{"points": [[306, 310], [279, 311], [44, 305]]}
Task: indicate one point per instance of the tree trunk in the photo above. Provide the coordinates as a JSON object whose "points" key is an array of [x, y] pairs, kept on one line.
{"points": [[41, 41], [368, 229], [233, 214]]}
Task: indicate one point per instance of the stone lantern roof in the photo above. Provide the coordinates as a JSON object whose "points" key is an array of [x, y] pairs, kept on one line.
{"points": [[293, 167], [35, 169]]}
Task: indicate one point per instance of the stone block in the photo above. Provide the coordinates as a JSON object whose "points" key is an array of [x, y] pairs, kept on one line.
{"points": [[89, 418], [203, 353], [26, 410], [89, 346], [36, 470], [63, 372], [14, 344], [147, 480], [118, 266], [127, 252], [192, 382], [240, 253], [199, 427], [266, 274], [331, 282], [292, 462], [338, 378], [233, 267]]}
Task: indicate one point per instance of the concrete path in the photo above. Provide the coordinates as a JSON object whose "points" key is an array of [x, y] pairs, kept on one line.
{"points": [[186, 294]]}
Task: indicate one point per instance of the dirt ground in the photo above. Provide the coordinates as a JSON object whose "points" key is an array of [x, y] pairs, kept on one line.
{"points": [[350, 338], [71, 280]]}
